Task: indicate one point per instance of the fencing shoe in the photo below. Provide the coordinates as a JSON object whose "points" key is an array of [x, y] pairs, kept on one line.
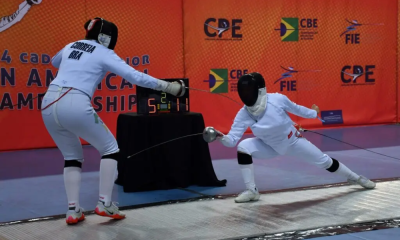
{"points": [[364, 182], [248, 195], [74, 217], [111, 211]]}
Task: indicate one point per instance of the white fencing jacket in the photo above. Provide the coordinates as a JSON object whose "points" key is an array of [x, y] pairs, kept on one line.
{"points": [[274, 127], [83, 65]]}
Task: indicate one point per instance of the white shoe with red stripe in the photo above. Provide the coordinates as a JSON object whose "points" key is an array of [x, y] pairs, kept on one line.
{"points": [[74, 217], [111, 211]]}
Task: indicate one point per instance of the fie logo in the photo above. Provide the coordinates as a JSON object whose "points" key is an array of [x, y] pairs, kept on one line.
{"points": [[350, 36], [286, 82], [8, 21]]}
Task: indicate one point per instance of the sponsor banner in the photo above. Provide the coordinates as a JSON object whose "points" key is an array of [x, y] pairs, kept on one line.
{"points": [[150, 40], [344, 58], [332, 117]]}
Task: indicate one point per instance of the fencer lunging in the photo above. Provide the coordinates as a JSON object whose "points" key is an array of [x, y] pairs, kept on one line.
{"points": [[275, 134], [68, 114]]}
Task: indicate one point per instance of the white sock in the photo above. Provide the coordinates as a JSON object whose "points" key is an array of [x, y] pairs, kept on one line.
{"points": [[108, 167], [346, 172], [248, 175], [72, 182]]}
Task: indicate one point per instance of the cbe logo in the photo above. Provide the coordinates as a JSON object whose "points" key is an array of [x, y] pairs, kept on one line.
{"points": [[293, 29], [350, 75], [219, 78], [215, 29]]}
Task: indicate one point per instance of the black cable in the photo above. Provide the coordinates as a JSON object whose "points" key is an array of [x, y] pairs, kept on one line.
{"points": [[350, 144], [39, 95]]}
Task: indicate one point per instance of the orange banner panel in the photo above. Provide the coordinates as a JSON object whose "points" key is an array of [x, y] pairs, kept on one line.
{"points": [[26, 49], [339, 55], [398, 62], [150, 40]]}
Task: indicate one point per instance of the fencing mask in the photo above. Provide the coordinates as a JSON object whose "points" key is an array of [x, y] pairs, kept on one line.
{"points": [[253, 93], [104, 32]]}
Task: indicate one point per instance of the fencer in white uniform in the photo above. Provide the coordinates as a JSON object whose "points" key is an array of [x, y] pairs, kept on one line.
{"points": [[275, 134], [68, 114]]}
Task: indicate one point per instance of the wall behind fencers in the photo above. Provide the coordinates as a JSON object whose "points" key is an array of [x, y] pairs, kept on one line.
{"points": [[150, 40], [341, 55]]}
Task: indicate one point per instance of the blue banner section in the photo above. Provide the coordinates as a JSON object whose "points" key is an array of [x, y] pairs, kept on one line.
{"points": [[332, 117]]}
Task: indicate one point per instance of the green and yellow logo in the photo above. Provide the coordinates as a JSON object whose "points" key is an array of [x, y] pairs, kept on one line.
{"points": [[298, 29], [289, 29], [218, 80]]}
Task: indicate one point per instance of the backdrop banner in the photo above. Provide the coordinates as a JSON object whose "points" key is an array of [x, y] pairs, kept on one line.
{"points": [[340, 55], [150, 40]]}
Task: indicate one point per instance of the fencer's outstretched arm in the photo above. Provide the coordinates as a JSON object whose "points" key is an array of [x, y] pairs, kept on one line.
{"points": [[113, 63], [296, 109], [240, 124]]}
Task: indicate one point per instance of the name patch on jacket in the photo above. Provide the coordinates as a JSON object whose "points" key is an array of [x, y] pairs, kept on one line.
{"points": [[83, 46], [75, 54]]}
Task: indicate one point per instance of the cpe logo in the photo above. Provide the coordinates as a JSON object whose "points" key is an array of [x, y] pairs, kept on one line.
{"points": [[357, 75], [223, 29]]}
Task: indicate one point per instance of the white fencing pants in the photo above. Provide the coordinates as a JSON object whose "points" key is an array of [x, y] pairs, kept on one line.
{"points": [[72, 117], [301, 148]]}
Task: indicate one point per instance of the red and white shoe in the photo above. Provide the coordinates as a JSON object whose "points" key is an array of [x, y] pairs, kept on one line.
{"points": [[74, 217], [111, 211]]}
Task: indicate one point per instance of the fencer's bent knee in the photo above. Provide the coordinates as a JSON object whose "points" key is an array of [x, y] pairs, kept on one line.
{"points": [[334, 167], [72, 163], [242, 147], [243, 154], [108, 148], [114, 156], [244, 158]]}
